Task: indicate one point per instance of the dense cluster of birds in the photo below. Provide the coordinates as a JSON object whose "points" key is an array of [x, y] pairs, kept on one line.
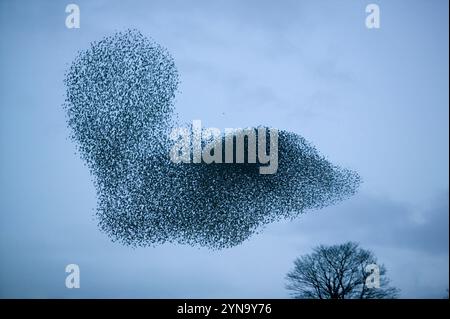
{"points": [[119, 105]]}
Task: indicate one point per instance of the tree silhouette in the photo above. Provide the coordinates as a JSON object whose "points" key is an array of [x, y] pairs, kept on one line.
{"points": [[343, 271]]}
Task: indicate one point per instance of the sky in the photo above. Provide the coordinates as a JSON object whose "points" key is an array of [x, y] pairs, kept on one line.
{"points": [[373, 100]]}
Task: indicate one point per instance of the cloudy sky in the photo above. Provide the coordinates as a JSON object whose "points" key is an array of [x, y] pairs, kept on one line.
{"points": [[375, 101]]}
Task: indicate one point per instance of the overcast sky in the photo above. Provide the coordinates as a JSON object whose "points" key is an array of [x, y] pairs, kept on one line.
{"points": [[375, 101]]}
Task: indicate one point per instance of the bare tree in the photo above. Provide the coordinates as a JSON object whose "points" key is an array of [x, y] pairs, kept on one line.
{"points": [[339, 272]]}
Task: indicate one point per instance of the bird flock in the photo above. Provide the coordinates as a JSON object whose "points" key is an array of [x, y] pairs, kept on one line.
{"points": [[120, 109]]}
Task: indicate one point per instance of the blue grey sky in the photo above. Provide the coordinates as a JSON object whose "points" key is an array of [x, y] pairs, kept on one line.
{"points": [[372, 100]]}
